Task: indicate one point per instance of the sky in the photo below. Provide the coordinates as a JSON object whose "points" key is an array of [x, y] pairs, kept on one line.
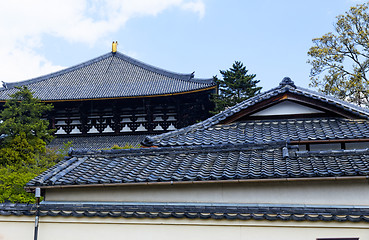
{"points": [[270, 37]]}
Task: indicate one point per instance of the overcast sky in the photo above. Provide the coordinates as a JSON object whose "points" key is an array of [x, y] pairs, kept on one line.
{"points": [[271, 37]]}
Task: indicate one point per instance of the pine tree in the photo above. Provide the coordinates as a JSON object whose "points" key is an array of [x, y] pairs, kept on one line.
{"points": [[22, 114], [236, 86]]}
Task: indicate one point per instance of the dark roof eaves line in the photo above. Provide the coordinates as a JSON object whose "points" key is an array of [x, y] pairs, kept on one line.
{"points": [[54, 74]]}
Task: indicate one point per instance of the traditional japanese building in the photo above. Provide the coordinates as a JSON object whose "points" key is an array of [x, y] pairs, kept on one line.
{"points": [[115, 99], [287, 164]]}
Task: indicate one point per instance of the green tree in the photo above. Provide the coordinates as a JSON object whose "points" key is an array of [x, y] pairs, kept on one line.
{"points": [[22, 114], [13, 177], [23, 152], [340, 60], [236, 86]]}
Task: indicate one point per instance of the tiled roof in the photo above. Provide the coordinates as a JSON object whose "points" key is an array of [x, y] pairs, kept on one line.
{"points": [[192, 211], [97, 142], [286, 86], [112, 75], [258, 131], [205, 163]]}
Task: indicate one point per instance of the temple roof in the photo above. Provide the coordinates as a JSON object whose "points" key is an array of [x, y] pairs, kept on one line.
{"points": [[113, 75], [202, 163], [287, 86]]}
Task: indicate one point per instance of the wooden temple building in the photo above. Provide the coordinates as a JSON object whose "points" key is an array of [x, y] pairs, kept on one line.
{"points": [[115, 99]]}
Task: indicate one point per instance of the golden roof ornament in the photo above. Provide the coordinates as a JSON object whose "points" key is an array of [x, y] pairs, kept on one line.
{"points": [[114, 47]]}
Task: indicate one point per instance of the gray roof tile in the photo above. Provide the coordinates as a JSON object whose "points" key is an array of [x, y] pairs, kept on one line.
{"points": [[263, 131], [112, 75], [214, 162]]}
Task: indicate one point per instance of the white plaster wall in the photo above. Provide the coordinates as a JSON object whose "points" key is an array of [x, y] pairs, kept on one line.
{"points": [[14, 228], [61, 228], [286, 108], [355, 192]]}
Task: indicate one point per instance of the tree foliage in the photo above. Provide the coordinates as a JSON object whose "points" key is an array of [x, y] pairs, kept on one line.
{"points": [[22, 114], [13, 177], [23, 152], [340, 60], [236, 86]]}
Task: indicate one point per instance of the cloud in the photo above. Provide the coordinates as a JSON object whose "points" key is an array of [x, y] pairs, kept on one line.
{"points": [[198, 7], [24, 24]]}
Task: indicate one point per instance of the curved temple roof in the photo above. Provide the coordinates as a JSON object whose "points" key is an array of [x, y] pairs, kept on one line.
{"points": [[113, 75]]}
